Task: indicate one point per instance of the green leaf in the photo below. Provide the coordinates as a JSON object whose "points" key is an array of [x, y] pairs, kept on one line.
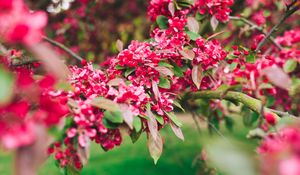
{"points": [[106, 104], [173, 117], [290, 66], [270, 101], [162, 22], [134, 135], [164, 64], [193, 36], [155, 146], [164, 83], [251, 58], [114, 116], [137, 124], [118, 67], [109, 124], [6, 86], [177, 104], [160, 119], [229, 122], [177, 71], [249, 118], [129, 71]]}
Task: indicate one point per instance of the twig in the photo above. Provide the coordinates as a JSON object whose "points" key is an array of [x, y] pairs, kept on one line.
{"points": [[254, 26], [287, 14], [250, 102], [63, 47], [25, 63]]}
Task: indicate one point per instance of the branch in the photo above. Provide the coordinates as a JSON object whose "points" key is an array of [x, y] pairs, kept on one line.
{"points": [[254, 26], [287, 14], [250, 102], [63, 47]]}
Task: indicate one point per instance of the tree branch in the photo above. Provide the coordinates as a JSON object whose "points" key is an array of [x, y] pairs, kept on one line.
{"points": [[287, 14], [254, 26], [63, 47], [250, 102]]}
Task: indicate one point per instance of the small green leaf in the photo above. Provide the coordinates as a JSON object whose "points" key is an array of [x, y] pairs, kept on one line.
{"points": [[114, 116], [128, 72], [6, 86], [118, 67], [160, 119], [177, 104], [164, 83], [177, 70], [251, 58], [164, 64], [162, 22], [290, 66], [134, 135], [173, 117], [193, 36], [229, 122], [137, 124]]}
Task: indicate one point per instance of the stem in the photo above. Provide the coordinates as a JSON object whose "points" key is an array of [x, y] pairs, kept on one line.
{"points": [[250, 102], [254, 26], [63, 47], [288, 13]]}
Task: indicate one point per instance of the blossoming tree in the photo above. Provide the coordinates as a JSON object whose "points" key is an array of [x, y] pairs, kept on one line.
{"points": [[201, 56]]}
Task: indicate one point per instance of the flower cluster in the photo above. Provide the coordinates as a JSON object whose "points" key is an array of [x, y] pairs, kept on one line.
{"points": [[279, 152], [19, 24]]}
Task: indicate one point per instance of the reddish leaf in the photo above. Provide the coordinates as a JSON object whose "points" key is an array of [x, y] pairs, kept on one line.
{"points": [[214, 23], [127, 115], [152, 124], [119, 45], [155, 90], [164, 71], [84, 152], [197, 75], [171, 8], [193, 24], [177, 131], [155, 146], [188, 54], [277, 77], [115, 82], [51, 60], [106, 104]]}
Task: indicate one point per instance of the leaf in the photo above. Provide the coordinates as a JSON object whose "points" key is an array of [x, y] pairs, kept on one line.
{"points": [[178, 71], [106, 104], [290, 66], [251, 58], [84, 152], [177, 131], [164, 71], [51, 61], [155, 90], [129, 71], [155, 146], [192, 35], [127, 115], [277, 77], [115, 82], [164, 83], [171, 8], [164, 64], [134, 135], [193, 24], [113, 116], [137, 124], [119, 45], [229, 122], [152, 124], [188, 54], [177, 104], [214, 23], [160, 119], [162, 22], [6, 86], [197, 75], [174, 119]]}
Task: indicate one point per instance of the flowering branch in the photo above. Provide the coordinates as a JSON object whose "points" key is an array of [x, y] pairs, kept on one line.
{"points": [[254, 26], [250, 102], [63, 47], [288, 13]]}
